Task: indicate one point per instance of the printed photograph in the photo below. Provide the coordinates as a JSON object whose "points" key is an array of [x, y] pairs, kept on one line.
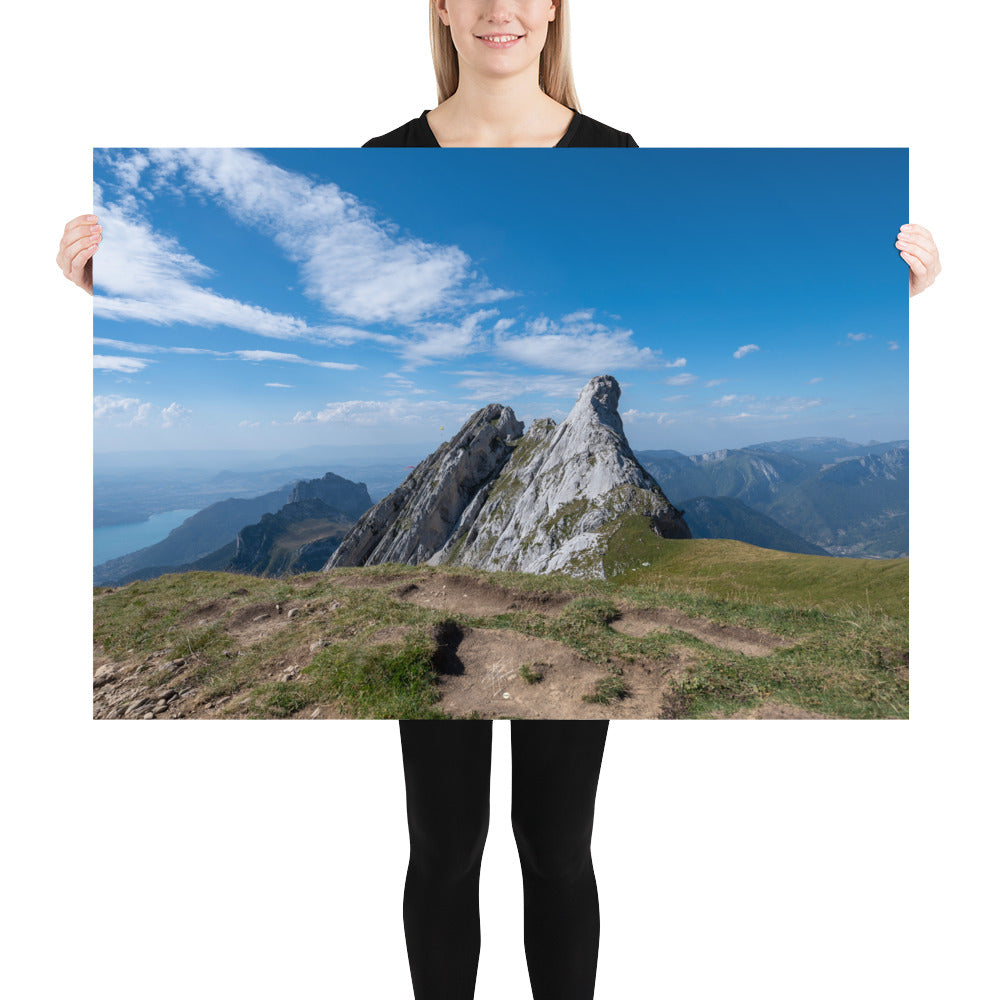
{"points": [[506, 434]]}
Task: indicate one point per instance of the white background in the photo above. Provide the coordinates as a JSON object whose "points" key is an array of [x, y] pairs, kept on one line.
{"points": [[261, 860]]}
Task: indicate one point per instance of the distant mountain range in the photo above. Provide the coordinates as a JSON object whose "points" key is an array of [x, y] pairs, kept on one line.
{"points": [[295, 530], [847, 498]]}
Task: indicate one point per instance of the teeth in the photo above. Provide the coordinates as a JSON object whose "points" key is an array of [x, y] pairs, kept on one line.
{"points": [[500, 38]]}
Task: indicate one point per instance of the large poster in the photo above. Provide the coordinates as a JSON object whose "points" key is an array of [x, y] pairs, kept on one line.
{"points": [[503, 434]]}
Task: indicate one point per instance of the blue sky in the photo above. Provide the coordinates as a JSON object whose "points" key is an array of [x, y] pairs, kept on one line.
{"points": [[276, 299]]}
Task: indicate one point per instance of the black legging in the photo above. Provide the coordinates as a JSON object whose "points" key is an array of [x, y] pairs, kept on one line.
{"points": [[555, 770]]}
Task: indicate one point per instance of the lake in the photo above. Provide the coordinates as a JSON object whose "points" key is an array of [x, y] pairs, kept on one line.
{"points": [[120, 539]]}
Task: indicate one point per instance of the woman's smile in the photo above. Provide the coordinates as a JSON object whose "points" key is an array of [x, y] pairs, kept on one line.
{"points": [[499, 41]]}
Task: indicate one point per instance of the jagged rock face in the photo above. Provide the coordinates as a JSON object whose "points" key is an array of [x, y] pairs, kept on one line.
{"points": [[549, 508], [540, 502], [415, 521]]}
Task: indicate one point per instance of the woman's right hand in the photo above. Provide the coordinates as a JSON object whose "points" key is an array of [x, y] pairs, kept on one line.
{"points": [[79, 243]]}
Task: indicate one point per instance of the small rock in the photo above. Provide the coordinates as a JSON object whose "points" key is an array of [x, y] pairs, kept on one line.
{"points": [[148, 715], [159, 710], [292, 612], [170, 695], [319, 644], [335, 606], [260, 618]]}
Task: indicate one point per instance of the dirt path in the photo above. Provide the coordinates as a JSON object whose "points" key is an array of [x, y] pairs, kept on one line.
{"points": [[480, 671], [750, 642], [470, 597]]}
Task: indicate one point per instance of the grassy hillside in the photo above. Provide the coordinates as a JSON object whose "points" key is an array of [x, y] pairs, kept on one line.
{"points": [[699, 629]]}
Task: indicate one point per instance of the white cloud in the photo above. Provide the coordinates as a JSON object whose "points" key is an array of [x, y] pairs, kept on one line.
{"points": [[501, 387], [258, 357], [277, 385], [893, 346], [859, 336], [773, 407], [447, 340], [581, 346], [641, 417], [174, 414], [357, 265], [685, 378], [121, 411], [742, 352], [815, 381], [433, 415], [124, 345], [713, 382], [127, 366], [678, 363]]}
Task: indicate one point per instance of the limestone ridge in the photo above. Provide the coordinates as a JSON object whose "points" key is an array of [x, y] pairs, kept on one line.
{"points": [[499, 499], [414, 521]]}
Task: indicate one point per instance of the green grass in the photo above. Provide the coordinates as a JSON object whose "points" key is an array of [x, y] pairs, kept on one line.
{"points": [[735, 571], [847, 619]]}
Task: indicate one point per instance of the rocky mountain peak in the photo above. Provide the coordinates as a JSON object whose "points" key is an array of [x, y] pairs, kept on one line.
{"points": [[499, 499]]}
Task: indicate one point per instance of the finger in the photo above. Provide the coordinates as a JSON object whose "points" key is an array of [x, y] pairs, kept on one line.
{"points": [[922, 253], [916, 264], [913, 227], [81, 220], [68, 253], [911, 239], [79, 262], [70, 236]]}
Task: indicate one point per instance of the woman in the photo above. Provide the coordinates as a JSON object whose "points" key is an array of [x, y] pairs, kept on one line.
{"points": [[504, 79]]}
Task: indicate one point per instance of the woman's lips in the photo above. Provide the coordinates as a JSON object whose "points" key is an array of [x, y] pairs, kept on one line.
{"points": [[499, 41]]}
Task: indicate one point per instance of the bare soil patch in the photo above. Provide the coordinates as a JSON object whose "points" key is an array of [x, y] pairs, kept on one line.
{"points": [[476, 599], [480, 672], [750, 642]]}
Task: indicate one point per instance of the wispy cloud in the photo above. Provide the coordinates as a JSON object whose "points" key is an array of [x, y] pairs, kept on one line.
{"points": [[742, 352], [278, 385], [859, 336], [124, 345], [501, 387], [662, 419], [685, 378], [357, 265], [389, 413], [773, 407], [436, 341], [893, 346], [576, 343], [815, 381], [258, 357], [126, 366]]}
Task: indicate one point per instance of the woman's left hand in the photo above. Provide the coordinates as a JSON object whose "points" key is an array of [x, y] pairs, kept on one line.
{"points": [[916, 246]]}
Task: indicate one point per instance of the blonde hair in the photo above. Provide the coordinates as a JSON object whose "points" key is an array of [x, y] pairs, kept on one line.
{"points": [[555, 74]]}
